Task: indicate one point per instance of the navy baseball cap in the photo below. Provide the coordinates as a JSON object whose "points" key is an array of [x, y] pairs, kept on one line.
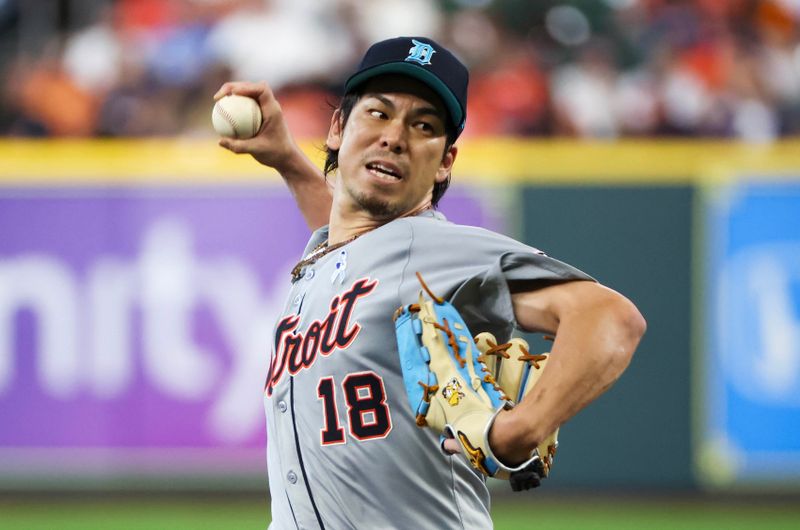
{"points": [[423, 59]]}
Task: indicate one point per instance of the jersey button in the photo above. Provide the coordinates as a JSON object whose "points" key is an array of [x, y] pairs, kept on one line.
{"points": [[297, 299], [291, 477], [309, 274], [282, 406]]}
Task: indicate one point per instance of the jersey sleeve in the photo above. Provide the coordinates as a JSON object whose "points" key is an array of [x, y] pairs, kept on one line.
{"points": [[472, 267]]}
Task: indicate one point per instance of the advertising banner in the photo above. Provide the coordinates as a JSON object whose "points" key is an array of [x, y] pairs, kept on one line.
{"points": [[751, 382]]}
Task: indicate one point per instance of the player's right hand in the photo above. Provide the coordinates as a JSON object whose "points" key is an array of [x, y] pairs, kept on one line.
{"points": [[273, 144]]}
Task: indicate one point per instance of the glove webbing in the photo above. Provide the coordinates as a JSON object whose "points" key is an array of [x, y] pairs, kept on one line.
{"points": [[451, 339]]}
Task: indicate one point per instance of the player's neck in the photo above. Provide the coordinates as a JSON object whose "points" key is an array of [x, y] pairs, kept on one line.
{"points": [[344, 227], [348, 220]]}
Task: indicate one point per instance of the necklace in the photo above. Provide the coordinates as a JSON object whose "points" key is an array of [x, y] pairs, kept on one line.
{"points": [[323, 249], [319, 251]]}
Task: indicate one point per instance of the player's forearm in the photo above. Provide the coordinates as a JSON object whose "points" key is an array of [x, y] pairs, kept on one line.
{"points": [[593, 347], [308, 187]]}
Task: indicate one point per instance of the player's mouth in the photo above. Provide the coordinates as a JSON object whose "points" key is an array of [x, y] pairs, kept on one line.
{"points": [[385, 171]]}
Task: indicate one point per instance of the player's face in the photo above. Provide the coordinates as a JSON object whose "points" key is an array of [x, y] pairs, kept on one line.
{"points": [[392, 148]]}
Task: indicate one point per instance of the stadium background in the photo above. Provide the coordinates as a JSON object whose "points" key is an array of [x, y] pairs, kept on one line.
{"points": [[650, 143]]}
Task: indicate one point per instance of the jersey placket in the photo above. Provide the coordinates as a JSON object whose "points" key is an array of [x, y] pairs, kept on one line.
{"points": [[304, 511]]}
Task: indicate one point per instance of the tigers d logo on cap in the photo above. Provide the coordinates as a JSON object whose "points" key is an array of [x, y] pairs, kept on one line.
{"points": [[420, 53]]}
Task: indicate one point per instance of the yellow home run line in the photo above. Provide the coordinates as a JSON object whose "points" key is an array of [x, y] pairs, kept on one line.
{"points": [[499, 160]]}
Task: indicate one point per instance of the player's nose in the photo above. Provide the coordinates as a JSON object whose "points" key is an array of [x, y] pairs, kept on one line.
{"points": [[393, 136]]}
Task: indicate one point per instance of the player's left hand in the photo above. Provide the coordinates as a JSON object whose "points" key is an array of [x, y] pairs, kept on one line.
{"points": [[451, 446]]}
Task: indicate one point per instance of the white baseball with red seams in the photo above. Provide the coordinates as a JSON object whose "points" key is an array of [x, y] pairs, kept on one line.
{"points": [[236, 117]]}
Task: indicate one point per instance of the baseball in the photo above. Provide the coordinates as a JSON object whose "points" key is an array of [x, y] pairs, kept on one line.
{"points": [[236, 117]]}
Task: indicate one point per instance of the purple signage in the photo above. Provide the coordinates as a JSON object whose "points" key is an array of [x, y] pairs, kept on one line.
{"points": [[139, 319]]}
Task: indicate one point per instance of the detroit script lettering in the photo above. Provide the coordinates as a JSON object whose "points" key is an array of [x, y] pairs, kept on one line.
{"points": [[296, 351]]}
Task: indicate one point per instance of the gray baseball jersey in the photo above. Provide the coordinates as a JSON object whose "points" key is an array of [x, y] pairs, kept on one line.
{"points": [[343, 449]]}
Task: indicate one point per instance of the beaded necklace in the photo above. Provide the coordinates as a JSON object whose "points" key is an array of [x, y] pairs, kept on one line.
{"points": [[323, 249], [319, 251]]}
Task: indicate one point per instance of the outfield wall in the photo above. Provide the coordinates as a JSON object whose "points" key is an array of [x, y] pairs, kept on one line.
{"points": [[138, 281]]}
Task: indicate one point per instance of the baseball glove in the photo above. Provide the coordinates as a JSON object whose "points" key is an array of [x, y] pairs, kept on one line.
{"points": [[451, 386], [516, 371]]}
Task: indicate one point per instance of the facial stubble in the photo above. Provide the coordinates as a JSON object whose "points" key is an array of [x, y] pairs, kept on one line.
{"points": [[376, 207]]}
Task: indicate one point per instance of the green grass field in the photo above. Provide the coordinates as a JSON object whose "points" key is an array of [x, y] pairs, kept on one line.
{"points": [[529, 512]]}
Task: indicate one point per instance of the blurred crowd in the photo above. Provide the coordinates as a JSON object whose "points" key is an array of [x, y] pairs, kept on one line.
{"points": [[580, 68]]}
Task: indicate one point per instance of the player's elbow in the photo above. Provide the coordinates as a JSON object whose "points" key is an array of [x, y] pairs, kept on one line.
{"points": [[627, 326], [637, 325]]}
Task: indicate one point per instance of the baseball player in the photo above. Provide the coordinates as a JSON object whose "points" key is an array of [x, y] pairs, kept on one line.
{"points": [[344, 448]]}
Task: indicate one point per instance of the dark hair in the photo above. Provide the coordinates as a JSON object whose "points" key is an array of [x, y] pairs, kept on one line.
{"points": [[332, 155]]}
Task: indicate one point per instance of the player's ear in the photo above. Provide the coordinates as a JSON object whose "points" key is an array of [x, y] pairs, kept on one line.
{"points": [[334, 140], [446, 167]]}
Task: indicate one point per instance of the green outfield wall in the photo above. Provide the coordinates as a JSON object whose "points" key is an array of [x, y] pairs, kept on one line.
{"points": [[637, 240]]}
